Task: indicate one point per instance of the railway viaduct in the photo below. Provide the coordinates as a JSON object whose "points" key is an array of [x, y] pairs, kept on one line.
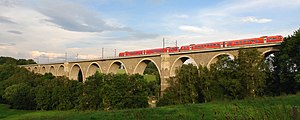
{"points": [[166, 63]]}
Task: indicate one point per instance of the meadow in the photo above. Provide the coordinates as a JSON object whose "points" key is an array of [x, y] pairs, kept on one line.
{"points": [[273, 108]]}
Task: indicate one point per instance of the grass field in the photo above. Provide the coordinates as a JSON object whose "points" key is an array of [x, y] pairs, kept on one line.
{"points": [[147, 77], [150, 77], [260, 108]]}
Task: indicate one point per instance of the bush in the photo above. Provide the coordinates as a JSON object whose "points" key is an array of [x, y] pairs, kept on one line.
{"points": [[20, 96]]}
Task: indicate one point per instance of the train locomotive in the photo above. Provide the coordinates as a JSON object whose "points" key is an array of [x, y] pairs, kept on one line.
{"points": [[213, 45]]}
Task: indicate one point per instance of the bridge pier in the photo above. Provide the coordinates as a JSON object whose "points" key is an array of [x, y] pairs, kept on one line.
{"points": [[165, 71]]}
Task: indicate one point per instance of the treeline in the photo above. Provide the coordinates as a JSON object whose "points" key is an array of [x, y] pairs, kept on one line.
{"points": [[13, 61], [26, 90], [247, 76]]}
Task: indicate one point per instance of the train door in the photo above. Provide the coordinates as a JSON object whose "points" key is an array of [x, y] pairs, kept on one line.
{"points": [[224, 44], [168, 49], [191, 46], [265, 39]]}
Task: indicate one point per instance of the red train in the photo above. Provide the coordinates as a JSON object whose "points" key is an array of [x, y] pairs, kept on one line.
{"points": [[149, 51], [214, 45]]}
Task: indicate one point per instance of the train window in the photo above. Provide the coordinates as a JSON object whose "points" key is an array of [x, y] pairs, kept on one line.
{"points": [[274, 38], [236, 42], [257, 41], [252, 40], [245, 41], [270, 38]]}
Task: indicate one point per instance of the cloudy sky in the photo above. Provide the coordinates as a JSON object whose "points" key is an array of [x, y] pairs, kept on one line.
{"points": [[45, 30]]}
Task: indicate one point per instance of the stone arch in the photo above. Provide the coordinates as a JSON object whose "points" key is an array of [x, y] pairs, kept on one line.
{"points": [[35, 69], [141, 66], [268, 57], [76, 73], [28, 68], [43, 70], [92, 69], [178, 63], [52, 70], [115, 65], [214, 58], [61, 71], [269, 52]]}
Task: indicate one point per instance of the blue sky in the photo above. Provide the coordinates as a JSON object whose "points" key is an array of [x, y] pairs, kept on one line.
{"points": [[47, 29]]}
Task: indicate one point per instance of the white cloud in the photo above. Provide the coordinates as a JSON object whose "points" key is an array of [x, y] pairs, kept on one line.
{"points": [[35, 54], [45, 57], [256, 20], [194, 29]]}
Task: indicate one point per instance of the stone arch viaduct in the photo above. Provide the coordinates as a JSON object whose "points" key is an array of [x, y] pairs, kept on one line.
{"points": [[166, 63]]}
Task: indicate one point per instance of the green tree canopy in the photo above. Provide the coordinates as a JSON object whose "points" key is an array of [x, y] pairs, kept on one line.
{"points": [[287, 64], [13, 61], [183, 87]]}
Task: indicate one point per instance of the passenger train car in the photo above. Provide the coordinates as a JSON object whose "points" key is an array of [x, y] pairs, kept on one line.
{"points": [[149, 51], [214, 45]]}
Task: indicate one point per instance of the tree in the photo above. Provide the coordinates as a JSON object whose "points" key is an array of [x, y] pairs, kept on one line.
{"points": [[92, 98], [125, 91], [20, 96], [58, 94], [226, 82], [8, 60], [250, 67], [11, 75], [114, 91], [13, 61], [25, 62], [183, 87], [287, 65], [207, 85]]}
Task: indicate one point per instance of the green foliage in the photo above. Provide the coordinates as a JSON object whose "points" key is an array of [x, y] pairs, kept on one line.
{"points": [[14, 75], [91, 98], [118, 91], [154, 85], [7, 71], [225, 83], [208, 85], [154, 88], [8, 60], [20, 96], [251, 72], [150, 69], [287, 65], [13, 61], [57, 94], [183, 88], [226, 79], [25, 62], [25, 90]]}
